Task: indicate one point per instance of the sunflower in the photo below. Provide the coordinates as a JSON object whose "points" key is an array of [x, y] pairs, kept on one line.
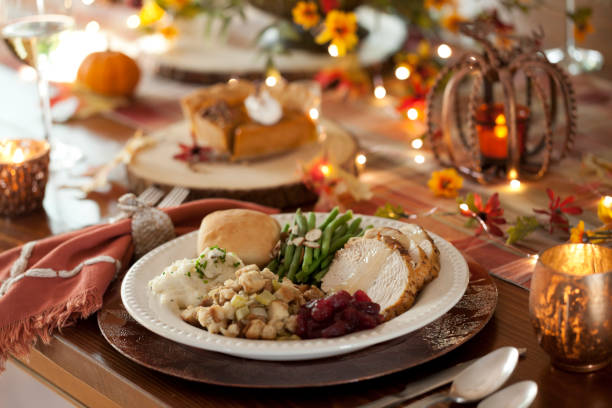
{"points": [[150, 13], [577, 234], [452, 22], [438, 4], [340, 30], [445, 183], [305, 14]]}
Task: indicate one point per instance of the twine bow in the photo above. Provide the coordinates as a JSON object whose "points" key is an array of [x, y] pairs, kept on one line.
{"points": [[151, 227]]}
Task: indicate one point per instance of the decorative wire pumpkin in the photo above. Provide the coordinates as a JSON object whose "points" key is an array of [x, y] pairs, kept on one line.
{"points": [[465, 86]]}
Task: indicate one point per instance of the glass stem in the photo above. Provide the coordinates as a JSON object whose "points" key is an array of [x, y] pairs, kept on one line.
{"points": [[43, 94], [570, 41]]}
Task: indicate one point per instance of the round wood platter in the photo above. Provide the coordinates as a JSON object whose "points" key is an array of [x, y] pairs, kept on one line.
{"points": [[272, 181], [448, 332]]}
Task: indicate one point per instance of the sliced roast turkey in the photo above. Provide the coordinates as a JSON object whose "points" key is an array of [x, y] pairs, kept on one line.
{"points": [[389, 265]]}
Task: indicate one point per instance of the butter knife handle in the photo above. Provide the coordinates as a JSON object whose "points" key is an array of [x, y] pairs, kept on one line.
{"points": [[430, 400], [384, 402]]}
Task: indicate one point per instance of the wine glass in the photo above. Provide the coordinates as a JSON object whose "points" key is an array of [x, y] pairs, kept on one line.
{"points": [[32, 29]]}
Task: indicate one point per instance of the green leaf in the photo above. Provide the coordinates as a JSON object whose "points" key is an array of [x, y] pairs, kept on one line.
{"points": [[390, 211], [523, 227]]}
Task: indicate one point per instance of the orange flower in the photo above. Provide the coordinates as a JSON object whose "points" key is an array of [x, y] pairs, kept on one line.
{"points": [[305, 13], [577, 233], [445, 183], [340, 29], [582, 30], [438, 4], [452, 22], [169, 32]]}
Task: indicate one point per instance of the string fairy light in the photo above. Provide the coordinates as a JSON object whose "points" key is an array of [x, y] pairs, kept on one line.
{"points": [[412, 114], [444, 51], [417, 143], [402, 72]]}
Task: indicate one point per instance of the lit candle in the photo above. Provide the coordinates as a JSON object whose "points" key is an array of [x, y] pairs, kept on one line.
{"points": [[24, 168], [493, 131]]}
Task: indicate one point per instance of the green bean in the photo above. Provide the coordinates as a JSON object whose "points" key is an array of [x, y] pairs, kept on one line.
{"points": [[320, 274], [312, 220], [287, 258], [339, 243], [329, 230], [297, 256], [333, 214], [354, 225], [327, 261], [307, 258], [273, 265], [300, 220], [340, 231]]}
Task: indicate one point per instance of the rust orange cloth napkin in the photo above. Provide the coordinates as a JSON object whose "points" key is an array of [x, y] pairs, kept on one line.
{"points": [[50, 283]]}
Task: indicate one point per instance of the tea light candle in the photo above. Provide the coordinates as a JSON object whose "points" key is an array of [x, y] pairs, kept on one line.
{"points": [[493, 131], [570, 305], [24, 169]]}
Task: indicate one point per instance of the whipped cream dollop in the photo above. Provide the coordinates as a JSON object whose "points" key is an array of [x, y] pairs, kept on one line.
{"points": [[263, 108]]}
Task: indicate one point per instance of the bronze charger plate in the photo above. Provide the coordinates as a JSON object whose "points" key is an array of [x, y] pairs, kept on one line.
{"points": [[441, 336]]}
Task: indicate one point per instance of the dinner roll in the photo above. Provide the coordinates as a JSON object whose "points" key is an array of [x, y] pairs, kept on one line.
{"points": [[249, 234]]}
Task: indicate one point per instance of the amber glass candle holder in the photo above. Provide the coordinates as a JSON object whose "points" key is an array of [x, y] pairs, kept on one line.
{"points": [[493, 134], [570, 305], [24, 170]]}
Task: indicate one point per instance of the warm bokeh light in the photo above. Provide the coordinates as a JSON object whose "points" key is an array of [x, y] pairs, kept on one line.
{"points": [[27, 73], [512, 174], [500, 130], [88, 2], [18, 156], [444, 51], [325, 170], [92, 27], [515, 184], [417, 143], [380, 92], [333, 50], [360, 159], [271, 81], [464, 207], [154, 44], [133, 21], [419, 158], [72, 48], [232, 81], [607, 201], [402, 72], [313, 113], [412, 114]]}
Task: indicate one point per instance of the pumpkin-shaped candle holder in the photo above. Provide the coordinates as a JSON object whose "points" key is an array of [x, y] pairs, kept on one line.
{"points": [[502, 113]]}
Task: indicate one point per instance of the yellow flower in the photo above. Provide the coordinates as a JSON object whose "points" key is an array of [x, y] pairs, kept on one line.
{"points": [[340, 29], [604, 210], [169, 32], [305, 13], [445, 182], [438, 4], [577, 233], [150, 13], [582, 30], [452, 22]]}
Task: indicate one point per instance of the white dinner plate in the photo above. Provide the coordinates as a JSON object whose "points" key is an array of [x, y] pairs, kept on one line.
{"points": [[436, 298]]}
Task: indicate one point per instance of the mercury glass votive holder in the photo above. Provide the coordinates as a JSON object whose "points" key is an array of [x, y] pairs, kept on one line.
{"points": [[570, 305], [24, 170]]}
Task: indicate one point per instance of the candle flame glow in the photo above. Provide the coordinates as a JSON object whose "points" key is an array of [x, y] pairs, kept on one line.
{"points": [[500, 130], [360, 159], [419, 159], [515, 184], [512, 174], [607, 201], [417, 143], [18, 156], [464, 207], [500, 119], [325, 170]]}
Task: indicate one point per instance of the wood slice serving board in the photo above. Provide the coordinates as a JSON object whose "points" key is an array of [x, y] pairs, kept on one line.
{"points": [[273, 181], [441, 336]]}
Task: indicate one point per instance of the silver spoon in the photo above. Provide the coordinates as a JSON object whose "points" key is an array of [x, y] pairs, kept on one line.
{"points": [[519, 395], [480, 379]]}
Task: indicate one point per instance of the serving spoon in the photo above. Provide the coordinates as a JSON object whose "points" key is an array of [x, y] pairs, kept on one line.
{"points": [[519, 395], [483, 377]]}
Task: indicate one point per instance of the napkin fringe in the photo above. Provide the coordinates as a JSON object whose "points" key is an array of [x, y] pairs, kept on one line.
{"points": [[18, 338]]}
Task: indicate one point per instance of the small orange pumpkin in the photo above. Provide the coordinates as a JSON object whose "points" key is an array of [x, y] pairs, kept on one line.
{"points": [[109, 73]]}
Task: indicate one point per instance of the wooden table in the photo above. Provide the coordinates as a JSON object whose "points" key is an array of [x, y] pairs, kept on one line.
{"points": [[82, 366]]}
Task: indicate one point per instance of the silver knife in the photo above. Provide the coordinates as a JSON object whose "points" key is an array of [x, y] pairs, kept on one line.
{"points": [[422, 386]]}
